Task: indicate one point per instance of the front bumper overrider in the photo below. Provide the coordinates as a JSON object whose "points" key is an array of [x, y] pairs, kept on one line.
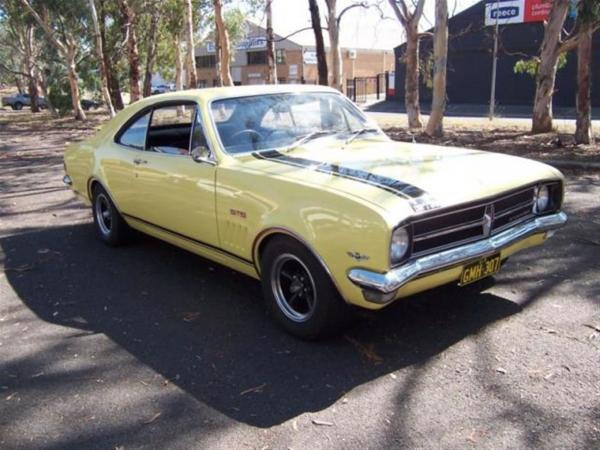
{"points": [[375, 284]]}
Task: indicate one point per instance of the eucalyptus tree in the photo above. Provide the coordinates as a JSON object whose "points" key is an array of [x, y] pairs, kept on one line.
{"points": [[100, 57], [409, 15], [315, 20], [129, 15], [435, 125], [64, 23], [589, 21]]}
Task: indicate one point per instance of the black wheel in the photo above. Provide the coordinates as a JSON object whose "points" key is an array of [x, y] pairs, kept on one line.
{"points": [[110, 226], [18, 106], [299, 292]]}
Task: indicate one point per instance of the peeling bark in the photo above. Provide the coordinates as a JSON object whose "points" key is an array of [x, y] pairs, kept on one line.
{"points": [[546, 76], [272, 72], [435, 124], [101, 62], [224, 47], [191, 74], [133, 54], [583, 131]]}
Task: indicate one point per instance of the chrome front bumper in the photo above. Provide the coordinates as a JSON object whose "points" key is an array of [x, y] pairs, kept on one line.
{"points": [[67, 180], [390, 282]]}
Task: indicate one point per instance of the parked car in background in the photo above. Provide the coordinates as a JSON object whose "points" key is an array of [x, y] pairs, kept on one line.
{"points": [[296, 187], [90, 104], [163, 88], [17, 101]]}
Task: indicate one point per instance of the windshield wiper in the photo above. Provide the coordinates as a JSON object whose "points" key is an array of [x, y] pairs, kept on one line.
{"points": [[357, 133], [310, 136]]}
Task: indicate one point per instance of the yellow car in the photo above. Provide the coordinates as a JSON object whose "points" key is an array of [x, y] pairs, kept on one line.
{"points": [[296, 187]]}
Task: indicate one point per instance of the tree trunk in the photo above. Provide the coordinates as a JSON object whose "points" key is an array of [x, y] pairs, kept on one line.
{"points": [[73, 83], [112, 78], [100, 57], [224, 44], [178, 64], [546, 76], [133, 54], [151, 52], [44, 89], [435, 125], [32, 87], [272, 72], [320, 45], [191, 74], [219, 73], [583, 131], [334, 43], [411, 79]]}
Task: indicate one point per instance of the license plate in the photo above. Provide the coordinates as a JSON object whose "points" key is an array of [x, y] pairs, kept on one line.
{"points": [[479, 269]]}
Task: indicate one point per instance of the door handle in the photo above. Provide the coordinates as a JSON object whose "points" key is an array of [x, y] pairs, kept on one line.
{"points": [[138, 161]]}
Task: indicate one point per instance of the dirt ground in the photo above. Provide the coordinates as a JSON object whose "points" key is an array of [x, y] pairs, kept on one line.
{"points": [[148, 346]]}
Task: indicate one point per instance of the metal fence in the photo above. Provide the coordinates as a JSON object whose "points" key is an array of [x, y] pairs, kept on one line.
{"points": [[366, 89]]}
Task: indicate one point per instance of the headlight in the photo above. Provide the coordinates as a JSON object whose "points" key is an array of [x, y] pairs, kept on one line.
{"points": [[542, 199], [400, 244]]}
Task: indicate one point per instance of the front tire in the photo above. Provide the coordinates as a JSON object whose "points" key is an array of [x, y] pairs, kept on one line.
{"points": [[300, 294], [18, 106], [110, 226]]}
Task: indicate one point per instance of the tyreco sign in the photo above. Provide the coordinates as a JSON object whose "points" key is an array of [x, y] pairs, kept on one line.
{"points": [[516, 11]]}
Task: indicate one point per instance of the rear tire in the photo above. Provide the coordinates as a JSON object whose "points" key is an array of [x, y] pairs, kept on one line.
{"points": [[18, 106], [299, 293], [110, 226]]}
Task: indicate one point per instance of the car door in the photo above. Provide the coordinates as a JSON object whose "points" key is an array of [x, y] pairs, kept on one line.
{"points": [[118, 159], [175, 192]]}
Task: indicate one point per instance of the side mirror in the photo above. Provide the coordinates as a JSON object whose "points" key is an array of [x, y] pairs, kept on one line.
{"points": [[202, 154]]}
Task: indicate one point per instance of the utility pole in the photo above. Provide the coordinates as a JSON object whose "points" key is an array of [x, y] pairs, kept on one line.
{"points": [[494, 66]]}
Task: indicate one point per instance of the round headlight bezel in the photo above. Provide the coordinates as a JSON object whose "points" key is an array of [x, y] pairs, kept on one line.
{"points": [[399, 245], [542, 202]]}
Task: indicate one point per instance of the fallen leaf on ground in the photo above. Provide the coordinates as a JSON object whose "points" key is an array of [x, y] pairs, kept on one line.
{"points": [[322, 423], [368, 351], [190, 316], [500, 369], [295, 425], [11, 396], [254, 389], [153, 418]]}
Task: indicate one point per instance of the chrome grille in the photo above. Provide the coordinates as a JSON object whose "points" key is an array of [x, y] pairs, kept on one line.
{"points": [[471, 222]]}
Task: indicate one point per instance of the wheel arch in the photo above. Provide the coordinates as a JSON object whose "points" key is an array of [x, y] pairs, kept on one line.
{"points": [[267, 235], [92, 182]]}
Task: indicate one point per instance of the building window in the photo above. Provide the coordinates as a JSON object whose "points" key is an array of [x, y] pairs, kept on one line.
{"points": [[206, 61], [257, 58], [280, 56]]}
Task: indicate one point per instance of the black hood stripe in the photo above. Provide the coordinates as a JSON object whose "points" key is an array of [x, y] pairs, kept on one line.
{"points": [[390, 185]]}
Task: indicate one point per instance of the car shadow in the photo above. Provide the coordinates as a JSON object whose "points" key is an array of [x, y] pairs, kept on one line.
{"points": [[203, 327]]}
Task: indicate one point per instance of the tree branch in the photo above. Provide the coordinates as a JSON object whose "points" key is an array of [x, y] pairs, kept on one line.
{"points": [[296, 32]]}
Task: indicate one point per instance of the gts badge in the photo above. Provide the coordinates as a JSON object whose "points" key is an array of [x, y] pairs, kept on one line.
{"points": [[357, 256], [238, 213]]}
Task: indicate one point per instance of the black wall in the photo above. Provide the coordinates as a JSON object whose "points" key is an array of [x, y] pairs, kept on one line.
{"points": [[470, 50]]}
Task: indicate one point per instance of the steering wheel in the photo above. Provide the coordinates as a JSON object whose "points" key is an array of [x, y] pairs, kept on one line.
{"points": [[253, 136]]}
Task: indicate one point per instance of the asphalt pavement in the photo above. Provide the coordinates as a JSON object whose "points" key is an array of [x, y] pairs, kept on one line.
{"points": [[148, 346]]}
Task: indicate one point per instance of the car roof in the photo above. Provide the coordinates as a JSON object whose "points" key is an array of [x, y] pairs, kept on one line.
{"points": [[208, 94]]}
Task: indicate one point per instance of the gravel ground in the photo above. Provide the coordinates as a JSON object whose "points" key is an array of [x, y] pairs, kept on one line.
{"points": [[148, 346]]}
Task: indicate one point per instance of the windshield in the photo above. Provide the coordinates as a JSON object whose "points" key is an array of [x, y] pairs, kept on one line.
{"points": [[286, 120]]}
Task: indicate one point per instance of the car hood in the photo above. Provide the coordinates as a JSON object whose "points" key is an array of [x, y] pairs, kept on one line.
{"points": [[388, 173]]}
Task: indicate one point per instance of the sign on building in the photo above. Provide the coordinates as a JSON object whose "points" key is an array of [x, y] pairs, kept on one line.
{"points": [[516, 11], [253, 43], [309, 57]]}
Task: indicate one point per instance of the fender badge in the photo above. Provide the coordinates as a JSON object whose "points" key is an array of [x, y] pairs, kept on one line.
{"points": [[357, 256]]}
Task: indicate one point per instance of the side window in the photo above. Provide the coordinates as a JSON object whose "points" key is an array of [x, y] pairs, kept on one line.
{"points": [[170, 129], [135, 135]]}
